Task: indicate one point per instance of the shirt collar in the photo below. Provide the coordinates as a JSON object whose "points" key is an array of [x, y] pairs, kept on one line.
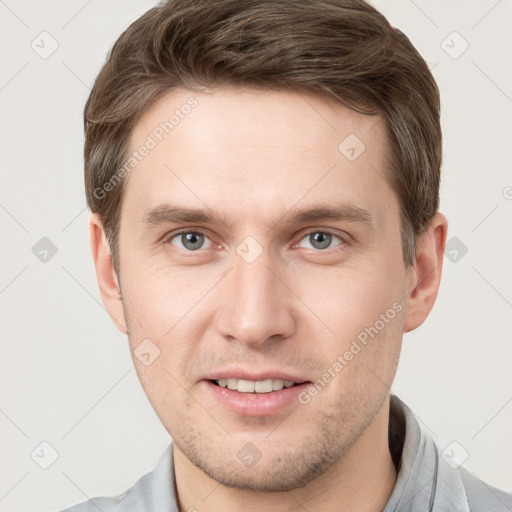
{"points": [[424, 482]]}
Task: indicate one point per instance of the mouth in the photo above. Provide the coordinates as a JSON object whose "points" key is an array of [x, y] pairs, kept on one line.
{"points": [[262, 397], [251, 386]]}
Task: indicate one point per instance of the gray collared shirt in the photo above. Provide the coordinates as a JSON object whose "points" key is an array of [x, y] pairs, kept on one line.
{"points": [[425, 482]]}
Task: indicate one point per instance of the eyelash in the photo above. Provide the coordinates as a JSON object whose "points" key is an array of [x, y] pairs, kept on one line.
{"points": [[167, 239]]}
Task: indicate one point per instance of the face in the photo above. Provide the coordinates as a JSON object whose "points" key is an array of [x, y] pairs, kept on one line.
{"points": [[259, 245]]}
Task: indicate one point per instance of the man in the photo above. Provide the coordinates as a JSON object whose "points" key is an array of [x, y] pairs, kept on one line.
{"points": [[264, 182]]}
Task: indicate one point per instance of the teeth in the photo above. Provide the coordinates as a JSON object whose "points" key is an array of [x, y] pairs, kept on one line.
{"points": [[263, 386], [250, 386], [246, 386], [277, 384], [232, 384]]}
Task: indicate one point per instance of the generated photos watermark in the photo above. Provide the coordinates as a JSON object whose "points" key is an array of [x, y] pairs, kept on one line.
{"points": [[357, 345], [157, 135]]}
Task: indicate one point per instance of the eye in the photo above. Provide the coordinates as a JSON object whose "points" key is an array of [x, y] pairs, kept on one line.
{"points": [[189, 240], [320, 240]]}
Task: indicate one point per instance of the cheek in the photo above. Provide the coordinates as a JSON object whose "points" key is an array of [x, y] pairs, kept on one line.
{"points": [[348, 300], [364, 311], [160, 299], [163, 383], [161, 310]]}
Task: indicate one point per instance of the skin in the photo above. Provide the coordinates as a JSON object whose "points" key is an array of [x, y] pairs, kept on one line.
{"points": [[254, 157]]}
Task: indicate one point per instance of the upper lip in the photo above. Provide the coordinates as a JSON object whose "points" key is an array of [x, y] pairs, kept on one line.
{"points": [[254, 376]]}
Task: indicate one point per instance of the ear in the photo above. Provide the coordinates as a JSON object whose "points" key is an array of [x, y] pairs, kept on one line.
{"points": [[425, 275], [105, 273]]}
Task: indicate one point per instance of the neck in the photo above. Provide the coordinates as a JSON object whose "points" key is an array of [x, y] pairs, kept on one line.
{"points": [[362, 480]]}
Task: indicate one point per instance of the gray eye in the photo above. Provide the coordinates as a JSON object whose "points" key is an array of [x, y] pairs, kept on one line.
{"points": [[190, 241], [320, 240]]}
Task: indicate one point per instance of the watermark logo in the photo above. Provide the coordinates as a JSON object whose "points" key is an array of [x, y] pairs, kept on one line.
{"points": [[454, 45], [45, 45], [249, 249], [44, 455], [146, 352], [455, 249], [44, 250], [249, 455], [351, 147], [455, 455]]}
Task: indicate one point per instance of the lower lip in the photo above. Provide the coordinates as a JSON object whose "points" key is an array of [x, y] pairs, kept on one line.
{"points": [[256, 404]]}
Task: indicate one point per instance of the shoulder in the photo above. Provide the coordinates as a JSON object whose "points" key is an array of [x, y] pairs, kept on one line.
{"points": [[429, 481], [120, 503], [105, 504], [482, 497], [152, 492]]}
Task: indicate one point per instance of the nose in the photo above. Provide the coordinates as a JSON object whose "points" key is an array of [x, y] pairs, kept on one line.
{"points": [[255, 303]]}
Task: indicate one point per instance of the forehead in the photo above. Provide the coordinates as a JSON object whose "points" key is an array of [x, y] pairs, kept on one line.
{"points": [[254, 148], [301, 119]]}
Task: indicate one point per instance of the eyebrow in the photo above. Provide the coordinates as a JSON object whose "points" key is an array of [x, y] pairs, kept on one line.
{"points": [[342, 212], [167, 213]]}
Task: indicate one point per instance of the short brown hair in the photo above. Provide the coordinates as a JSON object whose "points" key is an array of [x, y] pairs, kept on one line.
{"points": [[343, 49]]}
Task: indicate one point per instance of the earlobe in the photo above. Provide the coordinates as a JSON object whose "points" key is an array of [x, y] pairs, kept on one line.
{"points": [[425, 275], [105, 273]]}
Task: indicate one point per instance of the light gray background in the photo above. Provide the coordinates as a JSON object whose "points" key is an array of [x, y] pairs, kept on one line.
{"points": [[66, 375]]}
